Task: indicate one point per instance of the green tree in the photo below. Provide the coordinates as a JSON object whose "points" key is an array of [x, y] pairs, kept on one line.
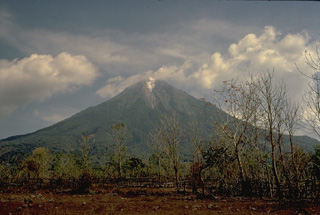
{"points": [[65, 166], [316, 162], [134, 167], [38, 164], [5, 173]]}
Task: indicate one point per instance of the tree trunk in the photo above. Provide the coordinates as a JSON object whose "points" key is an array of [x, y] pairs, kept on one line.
{"points": [[269, 179], [284, 171], [201, 181], [176, 177], [275, 172], [120, 172], [294, 166], [159, 167], [244, 187]]}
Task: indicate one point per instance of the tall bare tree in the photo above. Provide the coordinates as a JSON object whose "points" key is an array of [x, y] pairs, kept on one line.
{"points": [[277, 113], [238, 100], [195, 136], [312, 98], [155, 143], [169, 133], [117, 140], [292, 121], [86, 143]]}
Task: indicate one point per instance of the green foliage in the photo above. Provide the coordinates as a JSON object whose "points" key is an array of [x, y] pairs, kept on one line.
{"points": [[66, 166], [216, 156], [5, 173], [316, 162], [37, 165], [134, 167]]}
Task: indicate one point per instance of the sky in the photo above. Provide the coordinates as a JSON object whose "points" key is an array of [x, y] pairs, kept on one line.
{"points": [[60, 57]]}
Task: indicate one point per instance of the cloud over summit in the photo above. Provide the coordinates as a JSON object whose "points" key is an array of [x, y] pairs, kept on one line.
{"points": [[254, 53]]}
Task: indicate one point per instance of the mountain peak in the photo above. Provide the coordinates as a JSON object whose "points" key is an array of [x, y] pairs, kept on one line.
{"points": [[139, 106], [150, 84], [153, 92]]}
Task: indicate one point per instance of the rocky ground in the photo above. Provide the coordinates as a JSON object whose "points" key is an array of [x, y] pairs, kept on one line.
{"points": [[143, 201]]}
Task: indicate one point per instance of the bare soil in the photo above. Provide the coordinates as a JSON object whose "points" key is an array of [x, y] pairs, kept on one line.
{"points": [[143, 201]]}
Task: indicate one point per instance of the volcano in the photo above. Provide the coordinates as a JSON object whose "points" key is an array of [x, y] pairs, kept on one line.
{"points": [[139, 107]]}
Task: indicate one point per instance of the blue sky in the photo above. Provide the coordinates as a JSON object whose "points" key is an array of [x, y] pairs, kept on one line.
{"points": [[60, 57]]}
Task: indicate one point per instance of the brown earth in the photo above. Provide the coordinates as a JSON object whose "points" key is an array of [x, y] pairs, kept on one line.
{"points": [[143, 201]]}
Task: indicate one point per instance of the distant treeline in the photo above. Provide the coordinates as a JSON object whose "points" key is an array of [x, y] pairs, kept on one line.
{"points": [[45, 170]]}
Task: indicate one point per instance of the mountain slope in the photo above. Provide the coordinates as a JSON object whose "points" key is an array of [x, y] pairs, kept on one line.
{"points": [[139, 107]]}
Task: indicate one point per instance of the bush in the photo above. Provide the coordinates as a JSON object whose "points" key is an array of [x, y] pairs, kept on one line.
{"points": [[84, 182]]}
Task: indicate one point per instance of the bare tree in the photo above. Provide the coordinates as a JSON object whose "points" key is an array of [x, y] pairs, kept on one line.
{"points": [[276, 111], [169, 133], [86, 142], [117, 140], [292, 121], [240, 104], [155, 143], [195, 135], [312, 98]]}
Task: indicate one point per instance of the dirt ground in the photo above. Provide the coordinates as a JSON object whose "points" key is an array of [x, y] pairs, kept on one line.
{"points": [[143, 201]]}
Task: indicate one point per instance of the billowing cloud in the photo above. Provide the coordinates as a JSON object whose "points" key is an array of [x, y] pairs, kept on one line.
{"points": [[98, 47], [117, 84], [177, 52], [255, 53], [38, 77], [258, 54], [117, 53], [252, 54]]}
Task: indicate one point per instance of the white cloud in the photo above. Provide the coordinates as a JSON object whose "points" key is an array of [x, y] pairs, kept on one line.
{"points": [[125, 53], [182, 47], [257, 54], [101, 47], [117, 84], [38, 77], [252, 54]]}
